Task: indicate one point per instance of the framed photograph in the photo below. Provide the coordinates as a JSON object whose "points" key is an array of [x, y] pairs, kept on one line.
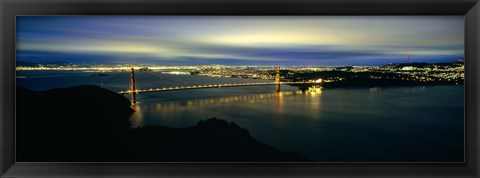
{"points": [[254, 88]]}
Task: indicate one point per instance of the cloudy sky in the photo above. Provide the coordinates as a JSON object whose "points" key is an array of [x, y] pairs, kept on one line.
{"points": [[241, 40]]}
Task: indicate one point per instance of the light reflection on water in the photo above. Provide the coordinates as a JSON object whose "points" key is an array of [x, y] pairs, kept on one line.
{"points": [[277, 98], [379, 124], [346, 124], [136, 120]]}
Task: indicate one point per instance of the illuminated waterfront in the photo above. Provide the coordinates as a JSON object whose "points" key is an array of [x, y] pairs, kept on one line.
{"points": [[307, 88], [378, 124]]}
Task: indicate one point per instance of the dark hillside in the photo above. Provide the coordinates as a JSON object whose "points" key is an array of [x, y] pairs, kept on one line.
{"points": [[90, 124]]}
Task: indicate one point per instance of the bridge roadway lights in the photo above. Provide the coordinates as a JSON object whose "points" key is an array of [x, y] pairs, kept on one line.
{"points": [[212, 86]]}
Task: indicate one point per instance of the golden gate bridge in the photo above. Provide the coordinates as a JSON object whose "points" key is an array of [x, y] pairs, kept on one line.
{"points": [[133, 91]]}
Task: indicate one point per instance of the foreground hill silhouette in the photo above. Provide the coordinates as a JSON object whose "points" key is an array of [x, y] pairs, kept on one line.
{"points": [[210, 140], [90, 124]]}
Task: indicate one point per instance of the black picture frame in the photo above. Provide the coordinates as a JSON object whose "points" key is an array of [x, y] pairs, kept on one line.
{"points": [[11, 8]]}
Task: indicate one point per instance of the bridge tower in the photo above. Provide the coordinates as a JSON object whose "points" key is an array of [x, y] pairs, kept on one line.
{"points": [[277, 80], [132, 87]]}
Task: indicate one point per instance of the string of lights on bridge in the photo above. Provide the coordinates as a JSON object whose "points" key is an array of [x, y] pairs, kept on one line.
{"points": [[133, 91], [213, 86]]}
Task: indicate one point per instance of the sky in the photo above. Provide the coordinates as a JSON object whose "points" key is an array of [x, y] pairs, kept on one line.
{"points": [[240, 40]]}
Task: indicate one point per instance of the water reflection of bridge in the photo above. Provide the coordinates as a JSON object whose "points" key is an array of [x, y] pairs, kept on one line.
{"points": [[169, 107], [133, 90], [223, 100]]}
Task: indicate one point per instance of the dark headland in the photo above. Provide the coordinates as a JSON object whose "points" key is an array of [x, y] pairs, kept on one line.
{"points": [[90, 124]]}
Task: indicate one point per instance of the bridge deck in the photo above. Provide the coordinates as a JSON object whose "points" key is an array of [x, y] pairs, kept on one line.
{"points": [[210, 86]]}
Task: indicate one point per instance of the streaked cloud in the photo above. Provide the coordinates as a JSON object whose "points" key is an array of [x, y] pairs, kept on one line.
{"points": [[296, 40]]}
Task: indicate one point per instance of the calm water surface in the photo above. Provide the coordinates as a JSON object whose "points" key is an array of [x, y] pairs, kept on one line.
{"points": [[342, 125]]}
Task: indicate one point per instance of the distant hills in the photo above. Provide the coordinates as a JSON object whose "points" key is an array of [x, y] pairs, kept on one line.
{"points": [[424, 64], [33, 64]]}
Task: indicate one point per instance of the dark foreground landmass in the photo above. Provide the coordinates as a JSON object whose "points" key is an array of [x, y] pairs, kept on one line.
{"points": [[210, 140], [90, 124]]}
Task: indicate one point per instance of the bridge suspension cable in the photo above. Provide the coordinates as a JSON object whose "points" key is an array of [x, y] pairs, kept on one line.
{"points": [[133, 90], [113, 78]]}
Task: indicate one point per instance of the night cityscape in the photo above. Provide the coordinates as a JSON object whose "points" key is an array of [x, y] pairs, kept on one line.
{"points": [[421, 73], [267, 89]]}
